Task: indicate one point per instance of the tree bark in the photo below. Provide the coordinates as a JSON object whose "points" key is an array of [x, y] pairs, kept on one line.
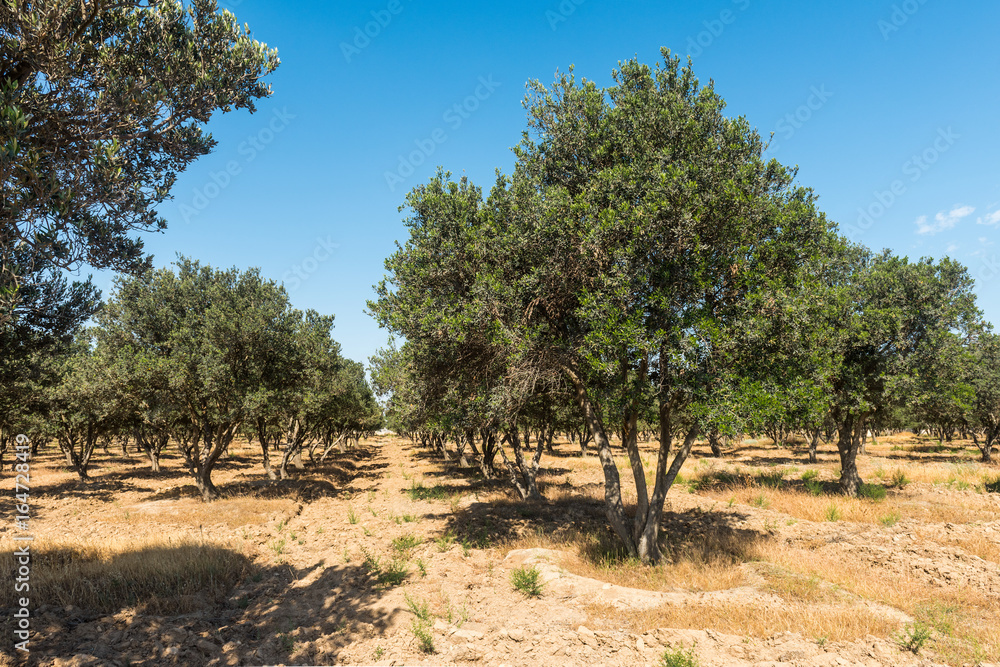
{"points": [[848, 446]]}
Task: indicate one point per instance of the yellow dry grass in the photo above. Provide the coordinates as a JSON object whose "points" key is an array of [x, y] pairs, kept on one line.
{"points": [[231, 512], [835, 623], [710, 562], [107, 576], [964, 617]]}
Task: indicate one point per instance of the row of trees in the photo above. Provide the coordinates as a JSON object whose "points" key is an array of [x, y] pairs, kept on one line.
{"points": [[644, 266], [195, 357]]}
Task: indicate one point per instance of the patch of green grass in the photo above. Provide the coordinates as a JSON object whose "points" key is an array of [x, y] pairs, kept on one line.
{"points": [[394, 573], [278, 546], [814, 487], [809, 474], [833, 513], [379, 651], [351, 516], [992, 486], [679, 658], [774, 479], [422, 567], [761, 501], [527, 581], [404, 544], [890, 519], [409, 518], [913, 637], [282, 524], [418, 491], [445, 541], [422, 632], [874, 492], [899, 478], [422, 610]]}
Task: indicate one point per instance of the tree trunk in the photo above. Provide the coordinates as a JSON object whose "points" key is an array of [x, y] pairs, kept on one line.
{"points": [[613, 506], [848, 446], [713, 442], [813, 446]]}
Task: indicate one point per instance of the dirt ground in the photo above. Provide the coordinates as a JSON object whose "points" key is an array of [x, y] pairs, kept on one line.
{"points": [[387, 555]]}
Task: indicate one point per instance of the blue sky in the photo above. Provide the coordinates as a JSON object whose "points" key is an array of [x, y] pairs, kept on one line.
{"points": [[888, 108]]}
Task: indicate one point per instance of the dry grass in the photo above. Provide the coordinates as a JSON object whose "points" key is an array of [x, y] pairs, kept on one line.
{"points": [[755, 619], [964, 617], [708, 562], [162, 577], [231, 512]]}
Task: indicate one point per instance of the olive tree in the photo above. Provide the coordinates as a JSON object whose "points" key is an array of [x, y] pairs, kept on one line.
{"points": [[102, 105], [218, 338]]}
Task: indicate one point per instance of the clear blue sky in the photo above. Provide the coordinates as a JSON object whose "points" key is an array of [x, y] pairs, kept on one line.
{"points": [[887, 107]]}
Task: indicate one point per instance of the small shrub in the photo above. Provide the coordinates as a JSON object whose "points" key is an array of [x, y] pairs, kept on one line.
{"points": [[809, 475], [445, 541], [526, 580], [814, 487], [992, 486], [418, 491], [679, 658], [833, 513], [761, 501], [772, 480], [393, 574], [890, 519], [899, 478], [404, 544], [914, 637], [422, 632], [874, 492], [422, 610]]}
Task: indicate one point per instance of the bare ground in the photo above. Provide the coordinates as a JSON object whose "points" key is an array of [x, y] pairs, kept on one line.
{"points": [[756, 574]]}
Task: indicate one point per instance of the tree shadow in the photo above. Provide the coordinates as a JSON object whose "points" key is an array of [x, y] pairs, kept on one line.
{"points": [[190, 604]]}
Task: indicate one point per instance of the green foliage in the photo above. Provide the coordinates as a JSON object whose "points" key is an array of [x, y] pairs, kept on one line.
{"points": [[992, 485], [137, 110], [425, 638], [833, 513], [809, 475], [874, 492], [527, 580], [899, 479], [418, 491], [422, 610], [890, 519], [814, 487], [913, 637], [404, 544], [679, 658], [445, 541]]}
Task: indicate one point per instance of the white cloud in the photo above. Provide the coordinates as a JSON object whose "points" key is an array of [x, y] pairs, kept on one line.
{"points": [[990, 219], [943, 220], [952, 247]]}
